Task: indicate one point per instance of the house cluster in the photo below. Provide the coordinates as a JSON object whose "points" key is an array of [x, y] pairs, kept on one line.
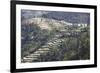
{"points": [[82, 25], [76, 24]]}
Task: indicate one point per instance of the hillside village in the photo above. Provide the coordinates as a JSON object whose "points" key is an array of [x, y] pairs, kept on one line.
{"points": [[46, 38]]}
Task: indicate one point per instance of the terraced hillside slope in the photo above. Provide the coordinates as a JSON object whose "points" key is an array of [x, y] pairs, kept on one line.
{"points": [[50, 37]]}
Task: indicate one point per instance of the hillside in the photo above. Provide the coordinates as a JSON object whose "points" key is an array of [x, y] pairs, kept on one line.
{"points": [[45, 38], [54, 35]]}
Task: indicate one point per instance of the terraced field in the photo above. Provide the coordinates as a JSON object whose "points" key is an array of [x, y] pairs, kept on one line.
{"points": [[52, 36]]}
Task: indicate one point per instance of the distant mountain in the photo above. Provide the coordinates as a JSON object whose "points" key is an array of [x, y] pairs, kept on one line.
{"points": [[71, 17], [27, 14]]}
